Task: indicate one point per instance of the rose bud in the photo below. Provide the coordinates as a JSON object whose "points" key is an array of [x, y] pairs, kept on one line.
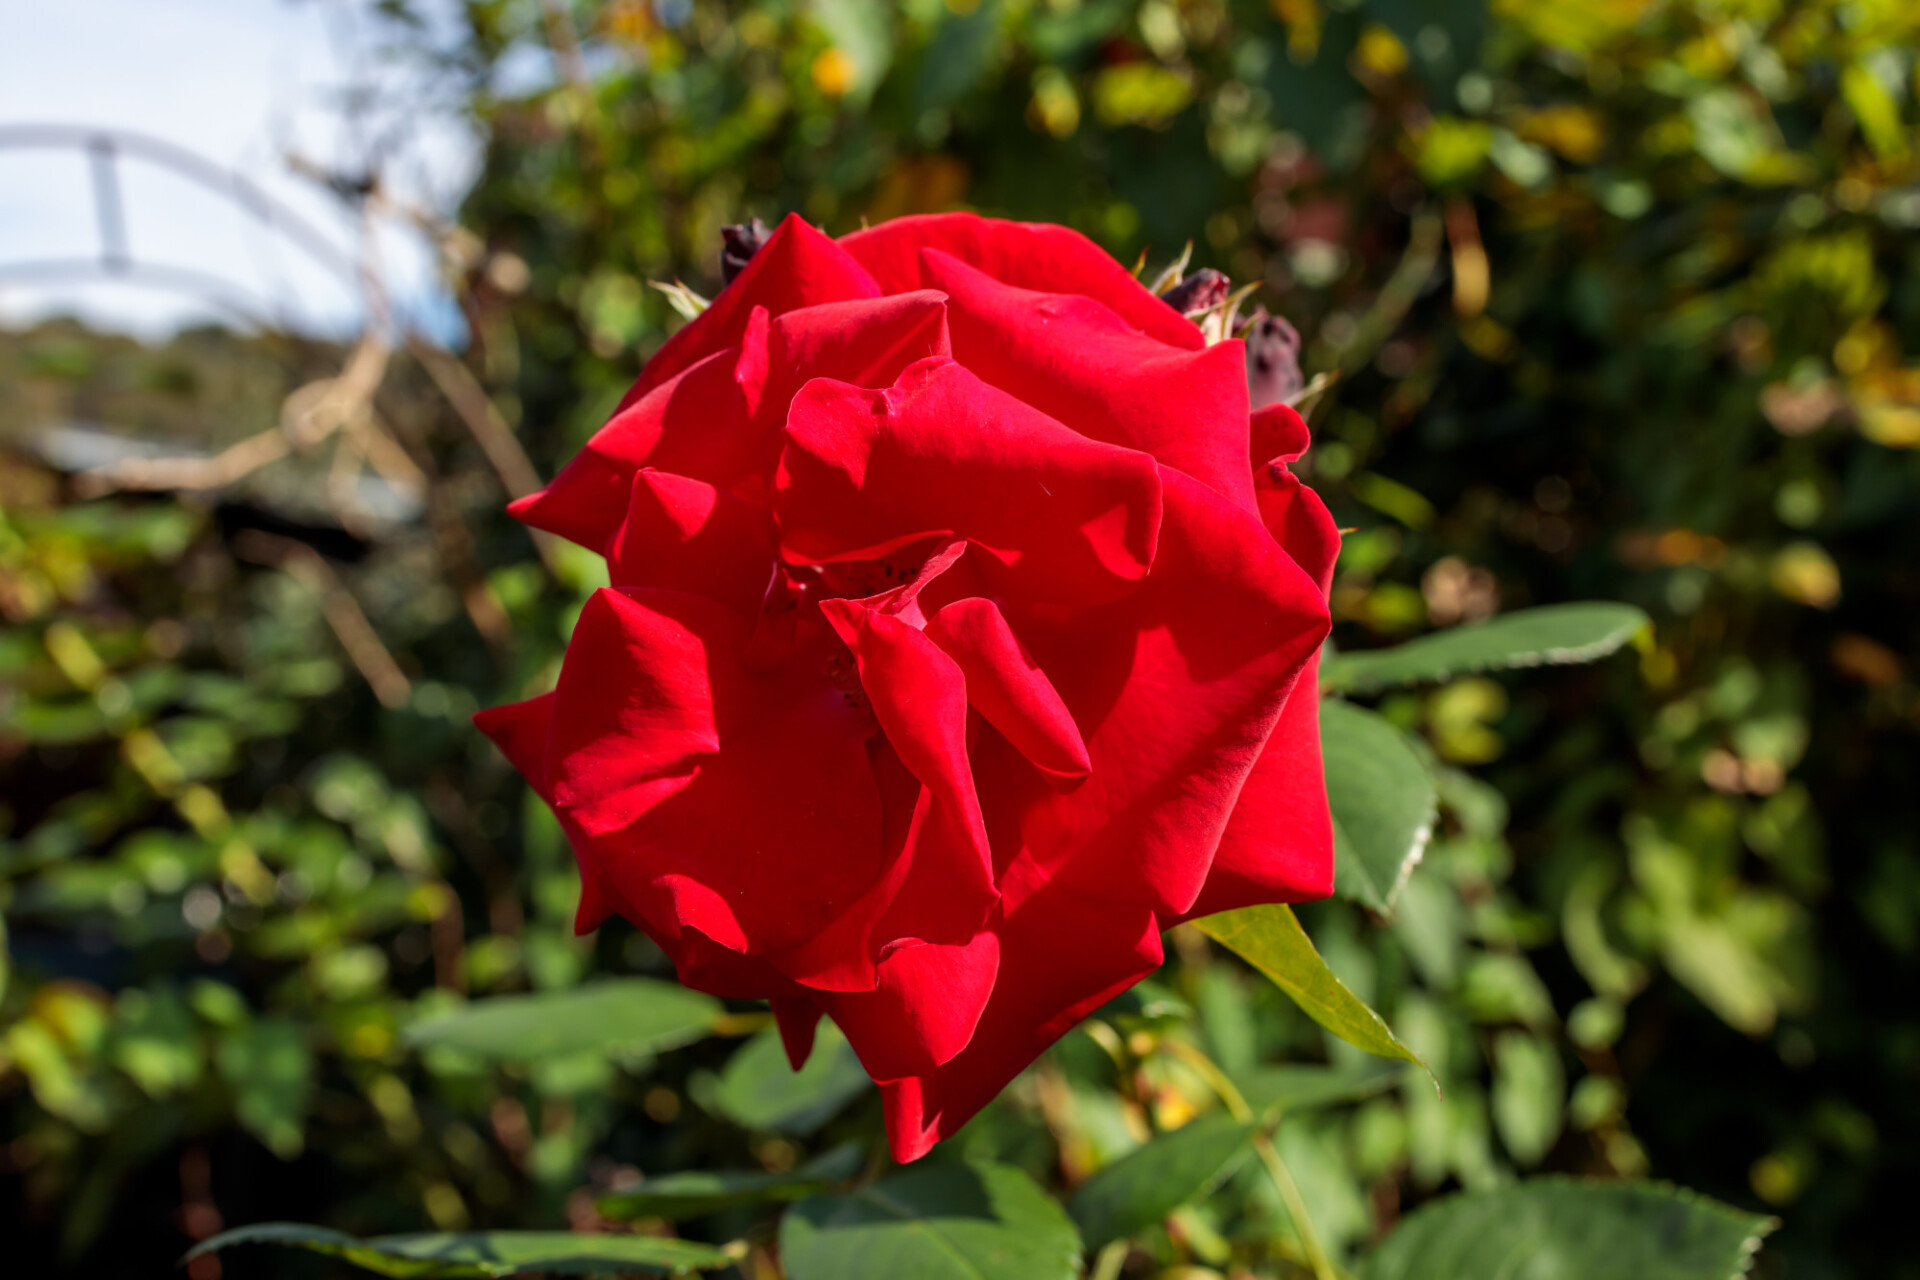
{"points": [[738, 243], [957, 645], [1202, 291], [1273, 360]]}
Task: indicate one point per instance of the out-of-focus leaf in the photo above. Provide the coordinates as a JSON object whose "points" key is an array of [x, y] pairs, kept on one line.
{"points": [[1560, 1229], [760, 1091], [1298, 1086], [691, 1195], [1550, 635], [1383, 803], [630, 1015], [1150, 1182], [940, 1222], [1272, 941], [1529, 1094], [269, 1067], [482, 1253], [862, 30]]}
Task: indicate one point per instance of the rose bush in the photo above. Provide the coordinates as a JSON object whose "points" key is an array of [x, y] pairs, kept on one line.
{"points": [[961, 638]]}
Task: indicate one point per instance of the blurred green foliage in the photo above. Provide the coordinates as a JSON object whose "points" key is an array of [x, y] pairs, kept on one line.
{"points": [[1623, 301]]}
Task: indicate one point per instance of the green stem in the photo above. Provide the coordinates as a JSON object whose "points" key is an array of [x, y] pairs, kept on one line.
{"points": [[1236, 1104], [1229, 1095], [1107, 1265], [1317, 1259]]}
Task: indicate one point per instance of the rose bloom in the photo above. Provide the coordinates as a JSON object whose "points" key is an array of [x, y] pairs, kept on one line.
{"points": [[961, 638]]}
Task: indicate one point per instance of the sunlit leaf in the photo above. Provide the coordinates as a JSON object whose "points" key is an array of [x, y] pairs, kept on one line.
{"points": [[1560, 1229], [1272, 941], [1550, 635], [937, 1222], [1383, 803], [434, 1256]]}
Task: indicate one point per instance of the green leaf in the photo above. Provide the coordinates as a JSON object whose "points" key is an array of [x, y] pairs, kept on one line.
{"points": [[692, 1195], [270, 1069], [1271, 940], [758, 1090], [935, 1222], [1150, 1182], [483, 1253], [1553, 634], [1563, 1229], [1383, 803], [630, 1015]]}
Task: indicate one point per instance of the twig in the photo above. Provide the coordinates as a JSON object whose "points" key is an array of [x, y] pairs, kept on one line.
{"points": [[476, 409], [342, 612], [484, 422], [222, 469]]}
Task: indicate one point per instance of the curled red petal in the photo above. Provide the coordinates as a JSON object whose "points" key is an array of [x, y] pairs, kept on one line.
{"points": [[1008, 687], [1030, 255], [1070, 520], [1276, 432], [924, 1008], [919, 696], [682, 534], [929, 889], [697, 424], [1062, 955], [700, 792], [1299, 522], [1073, 359]]}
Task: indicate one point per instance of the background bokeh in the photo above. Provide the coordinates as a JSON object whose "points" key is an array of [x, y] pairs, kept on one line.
{"points": [[1622, 301]]}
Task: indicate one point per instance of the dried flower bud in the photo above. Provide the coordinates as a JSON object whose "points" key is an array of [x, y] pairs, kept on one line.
{"points": [[738, 243], [1204, 290], [1273, 360]]}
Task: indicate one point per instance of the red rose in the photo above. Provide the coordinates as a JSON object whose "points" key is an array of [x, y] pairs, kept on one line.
{"points": [[961, 639]]}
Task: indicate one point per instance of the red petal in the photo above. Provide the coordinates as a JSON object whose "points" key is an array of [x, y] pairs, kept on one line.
{"points": [[1008, 687], [1072, 358], [1064, 955], [701, 793], [686, 535], [718, 420], [1299, 522], [1278, 845], [1069, 519], [798, 1018], [919, 696], [867, 343], [1029, 255], [797, 267], [1277, 433], [698, 424], [1176, 690], [930, 889], [924, 1010], [520, 730]]}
